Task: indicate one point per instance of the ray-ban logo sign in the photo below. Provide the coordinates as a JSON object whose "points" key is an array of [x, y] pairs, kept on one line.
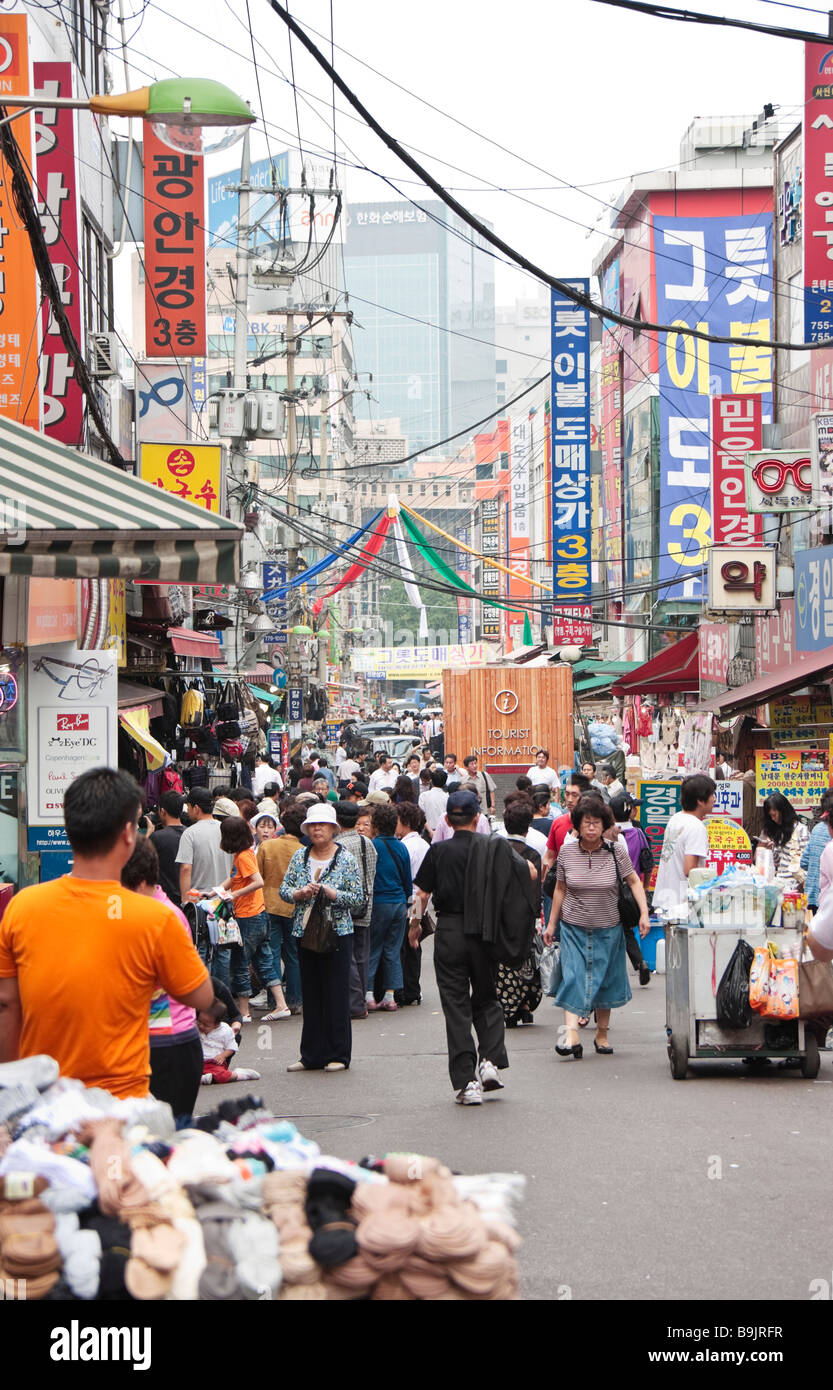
{"points": [[506, 702]]}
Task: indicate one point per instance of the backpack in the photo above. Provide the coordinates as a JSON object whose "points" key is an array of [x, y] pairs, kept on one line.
{"points": [[170, 781]]}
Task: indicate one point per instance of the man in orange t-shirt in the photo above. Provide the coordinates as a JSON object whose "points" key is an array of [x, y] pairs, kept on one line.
{"points": [[81, 957]]}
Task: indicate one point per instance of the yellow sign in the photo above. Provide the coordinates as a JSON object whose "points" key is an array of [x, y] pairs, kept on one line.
{"points": [[802, 775], [409, 663], [115, 634], [728, 843], [189, 471]]}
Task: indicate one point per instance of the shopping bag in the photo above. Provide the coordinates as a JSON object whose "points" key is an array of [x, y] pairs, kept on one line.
{"points": [[319, 934], [733, 1009], [759, 978], [546, 965], [782, 1001], [815, 988]]}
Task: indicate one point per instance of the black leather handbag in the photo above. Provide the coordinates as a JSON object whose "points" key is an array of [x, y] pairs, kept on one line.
{"points": [[629, 909]]}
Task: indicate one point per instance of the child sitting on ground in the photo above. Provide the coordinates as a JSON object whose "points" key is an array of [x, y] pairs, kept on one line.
{"points": [[218, 1047]]}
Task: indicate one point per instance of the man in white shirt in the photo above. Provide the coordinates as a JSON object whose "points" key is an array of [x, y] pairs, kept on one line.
{"points": [[686, 842], [480, 783], [263, 774], [612, 785], [542, 772], [433, 802], [384, 777], [347, 769]]}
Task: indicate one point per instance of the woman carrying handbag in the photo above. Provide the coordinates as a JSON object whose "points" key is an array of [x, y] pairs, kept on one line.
{"points": [[324, 883], [589, 902]]}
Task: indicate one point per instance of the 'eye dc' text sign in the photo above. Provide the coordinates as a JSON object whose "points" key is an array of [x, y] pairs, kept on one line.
{"points": [[713, 274], [570, 384]]}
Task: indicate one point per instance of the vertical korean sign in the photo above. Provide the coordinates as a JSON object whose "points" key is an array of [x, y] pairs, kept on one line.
{"points": [[57, 197], [570, 389], [713, 274], [490, 528], [18, 289], [736, 430], [518, 546], [174, 251], [818, 192], [465, 626], [611, 435]]}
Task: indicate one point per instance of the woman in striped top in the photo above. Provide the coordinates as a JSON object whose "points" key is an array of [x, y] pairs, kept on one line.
{"points": [[592, 966]]}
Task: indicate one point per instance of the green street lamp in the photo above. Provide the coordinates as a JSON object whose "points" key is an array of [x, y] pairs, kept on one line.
{"points": [[194, 115]]}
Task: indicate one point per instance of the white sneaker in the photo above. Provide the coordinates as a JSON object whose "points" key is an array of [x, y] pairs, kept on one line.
{"points": [[335, 1066], [245, 1074], [296, 1066], [259, 1001], [470, 1095], [206, 1079], [489, 1078]]}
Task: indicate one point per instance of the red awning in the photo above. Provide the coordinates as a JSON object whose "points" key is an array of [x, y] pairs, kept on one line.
{"points": [[809, 670], [675, 670], [186, 642]]}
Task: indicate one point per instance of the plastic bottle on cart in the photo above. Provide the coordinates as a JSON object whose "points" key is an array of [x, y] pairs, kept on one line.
{"points": [[660, 966]]}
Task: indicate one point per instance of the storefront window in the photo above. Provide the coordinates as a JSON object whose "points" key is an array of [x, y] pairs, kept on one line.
{"points": [[12, 703]]}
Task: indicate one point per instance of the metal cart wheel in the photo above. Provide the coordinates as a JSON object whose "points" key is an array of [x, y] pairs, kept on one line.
{"points": [[678, 1057], [810, 1061]]}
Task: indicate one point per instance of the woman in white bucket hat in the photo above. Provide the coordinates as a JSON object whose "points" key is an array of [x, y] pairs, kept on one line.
{"points": [[325, 867]]}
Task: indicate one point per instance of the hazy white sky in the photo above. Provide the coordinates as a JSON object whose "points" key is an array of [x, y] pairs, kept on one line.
{"points": [[587, 93]]}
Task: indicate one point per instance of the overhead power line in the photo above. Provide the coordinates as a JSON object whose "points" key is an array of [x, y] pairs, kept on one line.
{"points": [[721, 20], [563, 287]]}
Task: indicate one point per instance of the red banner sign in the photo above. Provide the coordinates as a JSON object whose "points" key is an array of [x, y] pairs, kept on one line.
{"points": [[573, 627], [57, 196], [714, 652], [736, 430], [174, 192]]}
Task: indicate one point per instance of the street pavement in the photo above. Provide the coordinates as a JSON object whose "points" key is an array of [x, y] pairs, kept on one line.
{"points": [[638, 1186]]}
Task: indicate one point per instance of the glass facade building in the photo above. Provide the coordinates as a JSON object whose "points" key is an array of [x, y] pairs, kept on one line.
{"points": [[416, 282]]}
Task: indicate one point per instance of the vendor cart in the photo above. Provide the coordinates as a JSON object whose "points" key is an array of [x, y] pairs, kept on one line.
{"points": [[696, 958]]}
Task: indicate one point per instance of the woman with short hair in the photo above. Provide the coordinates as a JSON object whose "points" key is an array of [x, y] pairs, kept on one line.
{"points": [[392, 891], [593, 973]]}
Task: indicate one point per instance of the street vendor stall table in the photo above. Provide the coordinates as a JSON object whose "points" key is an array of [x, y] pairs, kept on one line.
{"points": [[696, 957]]}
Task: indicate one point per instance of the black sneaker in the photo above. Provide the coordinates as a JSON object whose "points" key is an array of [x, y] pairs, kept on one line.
{"points": [[644, 974]]}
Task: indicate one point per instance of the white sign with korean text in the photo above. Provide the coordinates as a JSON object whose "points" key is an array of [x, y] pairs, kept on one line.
{"points": [[73, 715], [741, 580]]}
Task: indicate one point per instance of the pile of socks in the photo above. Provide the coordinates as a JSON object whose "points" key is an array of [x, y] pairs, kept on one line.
{"points": [[419, 1238], [104, 1199]]}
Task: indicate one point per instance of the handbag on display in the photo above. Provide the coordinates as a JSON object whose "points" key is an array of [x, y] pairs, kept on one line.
{"points": [[815, 987], [629, 909]]}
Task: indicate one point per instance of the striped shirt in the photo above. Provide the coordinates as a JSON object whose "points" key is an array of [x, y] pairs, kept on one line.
{"points": [[592, 883]]}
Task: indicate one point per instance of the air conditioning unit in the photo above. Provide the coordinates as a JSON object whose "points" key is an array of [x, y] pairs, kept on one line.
{"points": [[102, 351]]}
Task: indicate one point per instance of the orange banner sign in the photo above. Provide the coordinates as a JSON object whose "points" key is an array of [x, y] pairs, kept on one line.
{"points": [[18, 288]]}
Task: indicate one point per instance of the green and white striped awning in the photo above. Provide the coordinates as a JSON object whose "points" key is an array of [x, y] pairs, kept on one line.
{"points": [[65, 515]]}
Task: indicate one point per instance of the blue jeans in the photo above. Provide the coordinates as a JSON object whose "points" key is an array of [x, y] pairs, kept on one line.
{"points": [[387, 928], [255, 934], [282, 940]]}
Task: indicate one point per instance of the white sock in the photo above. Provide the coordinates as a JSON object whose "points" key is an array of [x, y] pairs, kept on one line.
{"points": [[388, 993]]}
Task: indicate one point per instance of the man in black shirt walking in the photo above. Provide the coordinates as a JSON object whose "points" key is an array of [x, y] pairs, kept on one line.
{"points": [[166, 840], [466, 970]]}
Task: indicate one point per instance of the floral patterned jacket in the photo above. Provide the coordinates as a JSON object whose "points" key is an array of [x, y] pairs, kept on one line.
{"points": [[342, 873]]}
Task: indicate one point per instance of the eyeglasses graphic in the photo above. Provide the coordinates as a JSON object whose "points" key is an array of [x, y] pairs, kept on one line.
{"points": [[770, 475]]}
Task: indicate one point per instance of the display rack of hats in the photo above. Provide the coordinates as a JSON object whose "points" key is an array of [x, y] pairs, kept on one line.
{"points": [[102, 1198]]}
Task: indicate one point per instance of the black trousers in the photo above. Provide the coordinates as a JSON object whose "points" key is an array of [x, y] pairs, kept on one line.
{"points": [[325, 984], [175, 1073], [633, 949], [411, 957], [466, 976]]}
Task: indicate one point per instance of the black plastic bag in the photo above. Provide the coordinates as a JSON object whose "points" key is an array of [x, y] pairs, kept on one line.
{"points": [[733, 1009]]}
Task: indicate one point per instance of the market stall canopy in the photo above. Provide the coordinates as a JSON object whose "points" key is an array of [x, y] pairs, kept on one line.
{"points": [[83, 519], [808, 671], [590, 675], [186, 642], [135, 724], [131, 694], [675, 670]]}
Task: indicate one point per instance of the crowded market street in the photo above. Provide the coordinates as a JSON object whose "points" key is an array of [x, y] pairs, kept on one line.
{"points": [[637, 1187]]}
